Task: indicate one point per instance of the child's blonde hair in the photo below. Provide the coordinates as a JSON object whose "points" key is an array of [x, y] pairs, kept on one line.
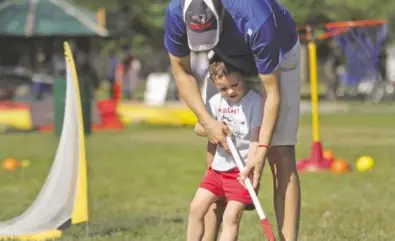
{"points": [[219, 69]]}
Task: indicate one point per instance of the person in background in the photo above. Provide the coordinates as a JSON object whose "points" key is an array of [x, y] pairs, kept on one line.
{"points": [[112, 63]]}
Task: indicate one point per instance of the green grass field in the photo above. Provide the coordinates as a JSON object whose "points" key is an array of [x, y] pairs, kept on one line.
{"points": [[141, 181]]}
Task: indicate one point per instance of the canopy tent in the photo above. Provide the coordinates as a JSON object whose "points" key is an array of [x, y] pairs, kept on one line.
{"points": [[45, 18]]}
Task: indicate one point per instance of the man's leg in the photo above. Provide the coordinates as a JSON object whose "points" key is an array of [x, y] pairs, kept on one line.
{"points": [[286, 187], [282, 154]]}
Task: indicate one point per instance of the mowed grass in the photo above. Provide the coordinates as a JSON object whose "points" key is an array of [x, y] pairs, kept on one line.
{"points": [[141, 181]]}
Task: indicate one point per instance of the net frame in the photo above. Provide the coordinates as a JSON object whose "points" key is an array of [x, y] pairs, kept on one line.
{"points": [[339, 31], [306, 32]]}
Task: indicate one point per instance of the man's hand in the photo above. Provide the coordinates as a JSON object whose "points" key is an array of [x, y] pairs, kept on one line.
{"points": [[254, 169], [217, 132]]}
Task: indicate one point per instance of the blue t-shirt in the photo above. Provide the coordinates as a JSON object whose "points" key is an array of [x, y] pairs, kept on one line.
{"points": [[255, 34]]}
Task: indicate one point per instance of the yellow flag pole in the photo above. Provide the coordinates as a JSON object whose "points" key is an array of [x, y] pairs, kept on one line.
{"points": [[314, 90], [316, 161], [101, 17], [80, 212]]}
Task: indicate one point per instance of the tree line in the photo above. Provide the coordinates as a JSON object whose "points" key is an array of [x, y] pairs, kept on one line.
{"points": [[140, 22]]}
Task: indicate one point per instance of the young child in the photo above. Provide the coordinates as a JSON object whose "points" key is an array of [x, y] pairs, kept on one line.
{"points": [[241, 109]]}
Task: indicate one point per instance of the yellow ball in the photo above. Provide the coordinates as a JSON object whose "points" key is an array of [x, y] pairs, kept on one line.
{"points": [[365, 163], [25, 163]]}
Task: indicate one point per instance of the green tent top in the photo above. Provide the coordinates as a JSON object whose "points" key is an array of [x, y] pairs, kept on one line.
{"points": [[28, 18]]}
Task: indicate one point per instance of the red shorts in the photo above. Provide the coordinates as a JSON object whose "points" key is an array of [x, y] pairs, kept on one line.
{"points": [[225, 184]]}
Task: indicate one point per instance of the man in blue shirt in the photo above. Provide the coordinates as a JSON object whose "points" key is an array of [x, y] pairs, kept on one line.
{"points": [[258, 37]]}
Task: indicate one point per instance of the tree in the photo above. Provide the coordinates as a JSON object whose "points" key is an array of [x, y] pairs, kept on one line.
{"points": [[139, 23], [145, 19]]}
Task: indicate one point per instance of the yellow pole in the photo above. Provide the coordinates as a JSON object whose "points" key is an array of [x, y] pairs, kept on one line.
{"points": [[314, 90], [101, 17], [80, 212]]}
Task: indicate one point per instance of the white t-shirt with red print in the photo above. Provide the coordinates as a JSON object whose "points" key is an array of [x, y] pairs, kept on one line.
{"points": [[241, 117]]}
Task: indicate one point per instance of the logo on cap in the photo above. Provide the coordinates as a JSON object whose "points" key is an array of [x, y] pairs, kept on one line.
{"points": [[201, 22], [200, 18]]}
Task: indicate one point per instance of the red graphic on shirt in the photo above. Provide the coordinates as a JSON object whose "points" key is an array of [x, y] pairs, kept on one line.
{"points": [[228, 110]]}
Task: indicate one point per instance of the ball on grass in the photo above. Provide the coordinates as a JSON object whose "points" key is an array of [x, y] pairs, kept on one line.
{"points": [[365, 163], [10, 164], [328, 155], [340, 166], [25, 163]]}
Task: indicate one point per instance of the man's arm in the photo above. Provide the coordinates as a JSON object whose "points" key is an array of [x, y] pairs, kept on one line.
{"points": [[270, 85], [270, 113], [199, 130], [266, 50], [254, 137], [252, 150], [176, 43], [190, 93], [188, 87]]}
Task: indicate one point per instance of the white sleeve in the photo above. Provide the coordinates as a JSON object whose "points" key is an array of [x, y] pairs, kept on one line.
{"points": [[212, 106], [256, 113]]}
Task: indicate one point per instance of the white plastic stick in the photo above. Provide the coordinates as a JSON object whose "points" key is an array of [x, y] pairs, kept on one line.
{"points": [[248, 183], [264, 221]]}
